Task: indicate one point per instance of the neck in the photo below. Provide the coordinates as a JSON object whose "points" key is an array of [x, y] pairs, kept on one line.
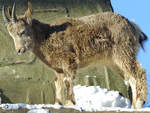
{"points": [[41, 33]]}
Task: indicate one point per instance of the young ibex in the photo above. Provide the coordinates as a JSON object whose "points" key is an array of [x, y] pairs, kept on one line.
{"points": [[71, 43]]}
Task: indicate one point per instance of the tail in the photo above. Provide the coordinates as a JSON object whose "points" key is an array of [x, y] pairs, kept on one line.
{"points": [[142, 36]]}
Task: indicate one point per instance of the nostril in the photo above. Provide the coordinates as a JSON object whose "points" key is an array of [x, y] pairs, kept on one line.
{"points": [[20, 51]]}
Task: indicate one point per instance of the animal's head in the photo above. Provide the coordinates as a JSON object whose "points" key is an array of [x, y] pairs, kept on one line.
{"points": [[20, 28]]}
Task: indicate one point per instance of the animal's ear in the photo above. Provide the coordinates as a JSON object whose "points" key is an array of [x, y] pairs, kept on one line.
{"points": [[9, 11], [28, 13]]}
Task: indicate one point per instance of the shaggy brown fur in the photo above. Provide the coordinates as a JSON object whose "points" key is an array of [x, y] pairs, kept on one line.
{"points": [[71, 43]]}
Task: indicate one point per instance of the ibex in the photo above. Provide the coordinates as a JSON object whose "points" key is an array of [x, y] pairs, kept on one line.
{"points": [[68, 44]]}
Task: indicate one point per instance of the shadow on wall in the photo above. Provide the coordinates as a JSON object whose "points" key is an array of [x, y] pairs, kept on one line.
{"points": [[4, 99]]}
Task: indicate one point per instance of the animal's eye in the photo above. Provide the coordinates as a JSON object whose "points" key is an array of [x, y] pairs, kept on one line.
{"points": [[22, 33]]}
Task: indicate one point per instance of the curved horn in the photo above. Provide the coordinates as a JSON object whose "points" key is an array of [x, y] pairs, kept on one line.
{"points": [[14, 17], [6, 19]]}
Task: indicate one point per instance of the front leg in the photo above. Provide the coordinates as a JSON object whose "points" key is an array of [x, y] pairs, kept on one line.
{"points": [[65, 80], [64, 88], [69, 83], [59, 84]]}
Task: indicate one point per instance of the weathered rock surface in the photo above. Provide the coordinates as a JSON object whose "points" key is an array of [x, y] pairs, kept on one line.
{"points": [[25, 79], [67, 111]]}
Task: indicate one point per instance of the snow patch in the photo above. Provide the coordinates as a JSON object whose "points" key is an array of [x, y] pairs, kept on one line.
{"points": [[39, 111], [94, 98]]}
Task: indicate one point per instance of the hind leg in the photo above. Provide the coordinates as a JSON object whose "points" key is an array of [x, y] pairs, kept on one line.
{"points": [[138, 86], [136, 77]]}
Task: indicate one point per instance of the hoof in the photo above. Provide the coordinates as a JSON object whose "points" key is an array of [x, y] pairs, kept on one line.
{"points": [[57, 102], [69, 103], [138, 104]]}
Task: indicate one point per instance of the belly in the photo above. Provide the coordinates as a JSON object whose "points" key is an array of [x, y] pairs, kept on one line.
{"points": [[103, 59]]}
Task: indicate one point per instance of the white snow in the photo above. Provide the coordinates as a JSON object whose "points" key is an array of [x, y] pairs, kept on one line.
{"points": [[94, 98], [39, 111], [91, 98]]}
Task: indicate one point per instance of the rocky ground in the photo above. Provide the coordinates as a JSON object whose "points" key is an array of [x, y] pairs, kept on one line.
{"points": [[63, 111]]}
